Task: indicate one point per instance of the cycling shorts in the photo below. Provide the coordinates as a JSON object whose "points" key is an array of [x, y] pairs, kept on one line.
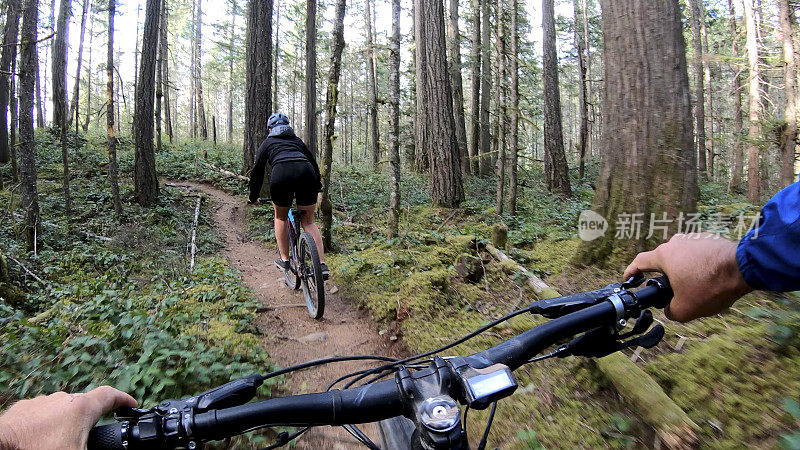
{"points": [[293, 179]]}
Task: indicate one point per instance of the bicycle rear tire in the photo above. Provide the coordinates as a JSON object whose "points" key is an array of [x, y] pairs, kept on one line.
{"points": [[291, 276], [311, 278]]}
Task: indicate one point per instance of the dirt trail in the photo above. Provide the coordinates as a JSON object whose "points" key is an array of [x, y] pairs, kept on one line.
{"points": [[290, 335]]}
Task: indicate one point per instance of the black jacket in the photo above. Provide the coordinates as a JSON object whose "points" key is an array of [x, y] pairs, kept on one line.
{"points": [[281, 146]]}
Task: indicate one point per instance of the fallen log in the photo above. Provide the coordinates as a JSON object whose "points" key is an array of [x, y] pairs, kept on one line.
{"points": [[225, 172], [671, 423], [193, 246]]}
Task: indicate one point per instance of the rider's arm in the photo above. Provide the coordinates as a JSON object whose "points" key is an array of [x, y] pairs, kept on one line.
{"points": [[58, 420], [257, 174], [769, 255], [708, 273]]}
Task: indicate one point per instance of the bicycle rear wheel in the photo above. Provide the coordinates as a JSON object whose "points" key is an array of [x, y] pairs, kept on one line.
{"points": [[311, 276]]}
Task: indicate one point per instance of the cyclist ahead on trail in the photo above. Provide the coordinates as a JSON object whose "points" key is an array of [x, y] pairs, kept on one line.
{"points": [[294, 174]]}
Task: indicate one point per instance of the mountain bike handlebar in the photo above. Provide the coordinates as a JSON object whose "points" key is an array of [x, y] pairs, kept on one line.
{"points": [[427, 396]]}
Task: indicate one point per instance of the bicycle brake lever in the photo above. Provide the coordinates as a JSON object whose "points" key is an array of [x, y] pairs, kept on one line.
{"points": [[234, 393], [126, 413], [634, 281], [642, 324]]}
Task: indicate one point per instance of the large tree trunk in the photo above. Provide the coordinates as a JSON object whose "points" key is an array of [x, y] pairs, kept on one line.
{"points": [[144, 175], [454, 49], [736, 92], [159, 76], [39, 100], [486, 89], [394, 122], [201, 109], [326, 207], [9, 53], [375, 144], [258, 95], [164, 67], [446, 185], [231, 38], [699, 103], [754, 97], [14, 122], [583, 100], [501, 109], [275, 55], [76, 89], [60, 113], [648, 160], [475, 89], [311, 76], [32, 227], [113, 170], [790, 113], [555, 160], [513, 138]]}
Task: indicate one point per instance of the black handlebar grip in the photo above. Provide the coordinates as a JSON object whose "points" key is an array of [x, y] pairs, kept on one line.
{"points": [[106, 437], [658, 292]]}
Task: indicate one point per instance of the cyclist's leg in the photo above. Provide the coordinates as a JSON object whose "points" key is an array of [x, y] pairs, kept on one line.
{"points": [[307, 220], [282, 230]]}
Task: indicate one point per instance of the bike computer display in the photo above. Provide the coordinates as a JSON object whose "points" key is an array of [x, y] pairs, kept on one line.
{"points": [[484, 386]]}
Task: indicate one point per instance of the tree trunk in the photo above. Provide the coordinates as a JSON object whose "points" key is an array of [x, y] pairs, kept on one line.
{"points": [[60, 114], [258, 95], [708, 145], [14, 122], [394, 122], [113, 170], [9, 54], [501, 109], [89, 89], [513, 143], [421, 159], [582, 97], [164, 68], [754, 97], [374, 143], [337, 45], [231, 56], [446, 185], [214, 129], [475, 88], [648, 159], [738, 121], [699, 103], [311, 76], [39, 101], [201, 109], [454, 50], [159, 76], [74, 105], [276, 57], [790, 112], [144, 175], [486, 89], [555, 161], [32, 227]]}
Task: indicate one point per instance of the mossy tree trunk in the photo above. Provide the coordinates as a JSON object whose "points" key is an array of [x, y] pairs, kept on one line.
{"points": [[475, 87], [754, 97], [454, 49], [555, 160], [738, 122], [788, 143], [27, 155], [258, 95], [113, 170], [310, 128], [330, 124], [9, 53], [144, 172], [648, 158], [699, 104]]}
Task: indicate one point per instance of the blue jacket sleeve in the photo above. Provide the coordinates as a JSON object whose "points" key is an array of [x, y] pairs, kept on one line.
{"points": [[769, 254]]}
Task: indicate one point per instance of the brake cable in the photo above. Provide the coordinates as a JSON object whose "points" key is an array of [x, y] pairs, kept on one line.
{"points": [[485, 437]]}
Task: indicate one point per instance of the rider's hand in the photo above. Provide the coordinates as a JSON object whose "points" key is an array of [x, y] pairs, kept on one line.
{"points": [[58, 420], [702, 270]]}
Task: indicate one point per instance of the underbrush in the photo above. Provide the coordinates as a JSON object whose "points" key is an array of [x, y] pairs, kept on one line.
{"points": [[126, 312]]}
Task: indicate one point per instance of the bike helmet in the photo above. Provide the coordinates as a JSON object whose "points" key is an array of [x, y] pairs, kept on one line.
{"points": [[277, 119]]}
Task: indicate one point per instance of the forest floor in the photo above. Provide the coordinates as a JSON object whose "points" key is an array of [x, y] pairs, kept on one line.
{"points": [[290, 335]]}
